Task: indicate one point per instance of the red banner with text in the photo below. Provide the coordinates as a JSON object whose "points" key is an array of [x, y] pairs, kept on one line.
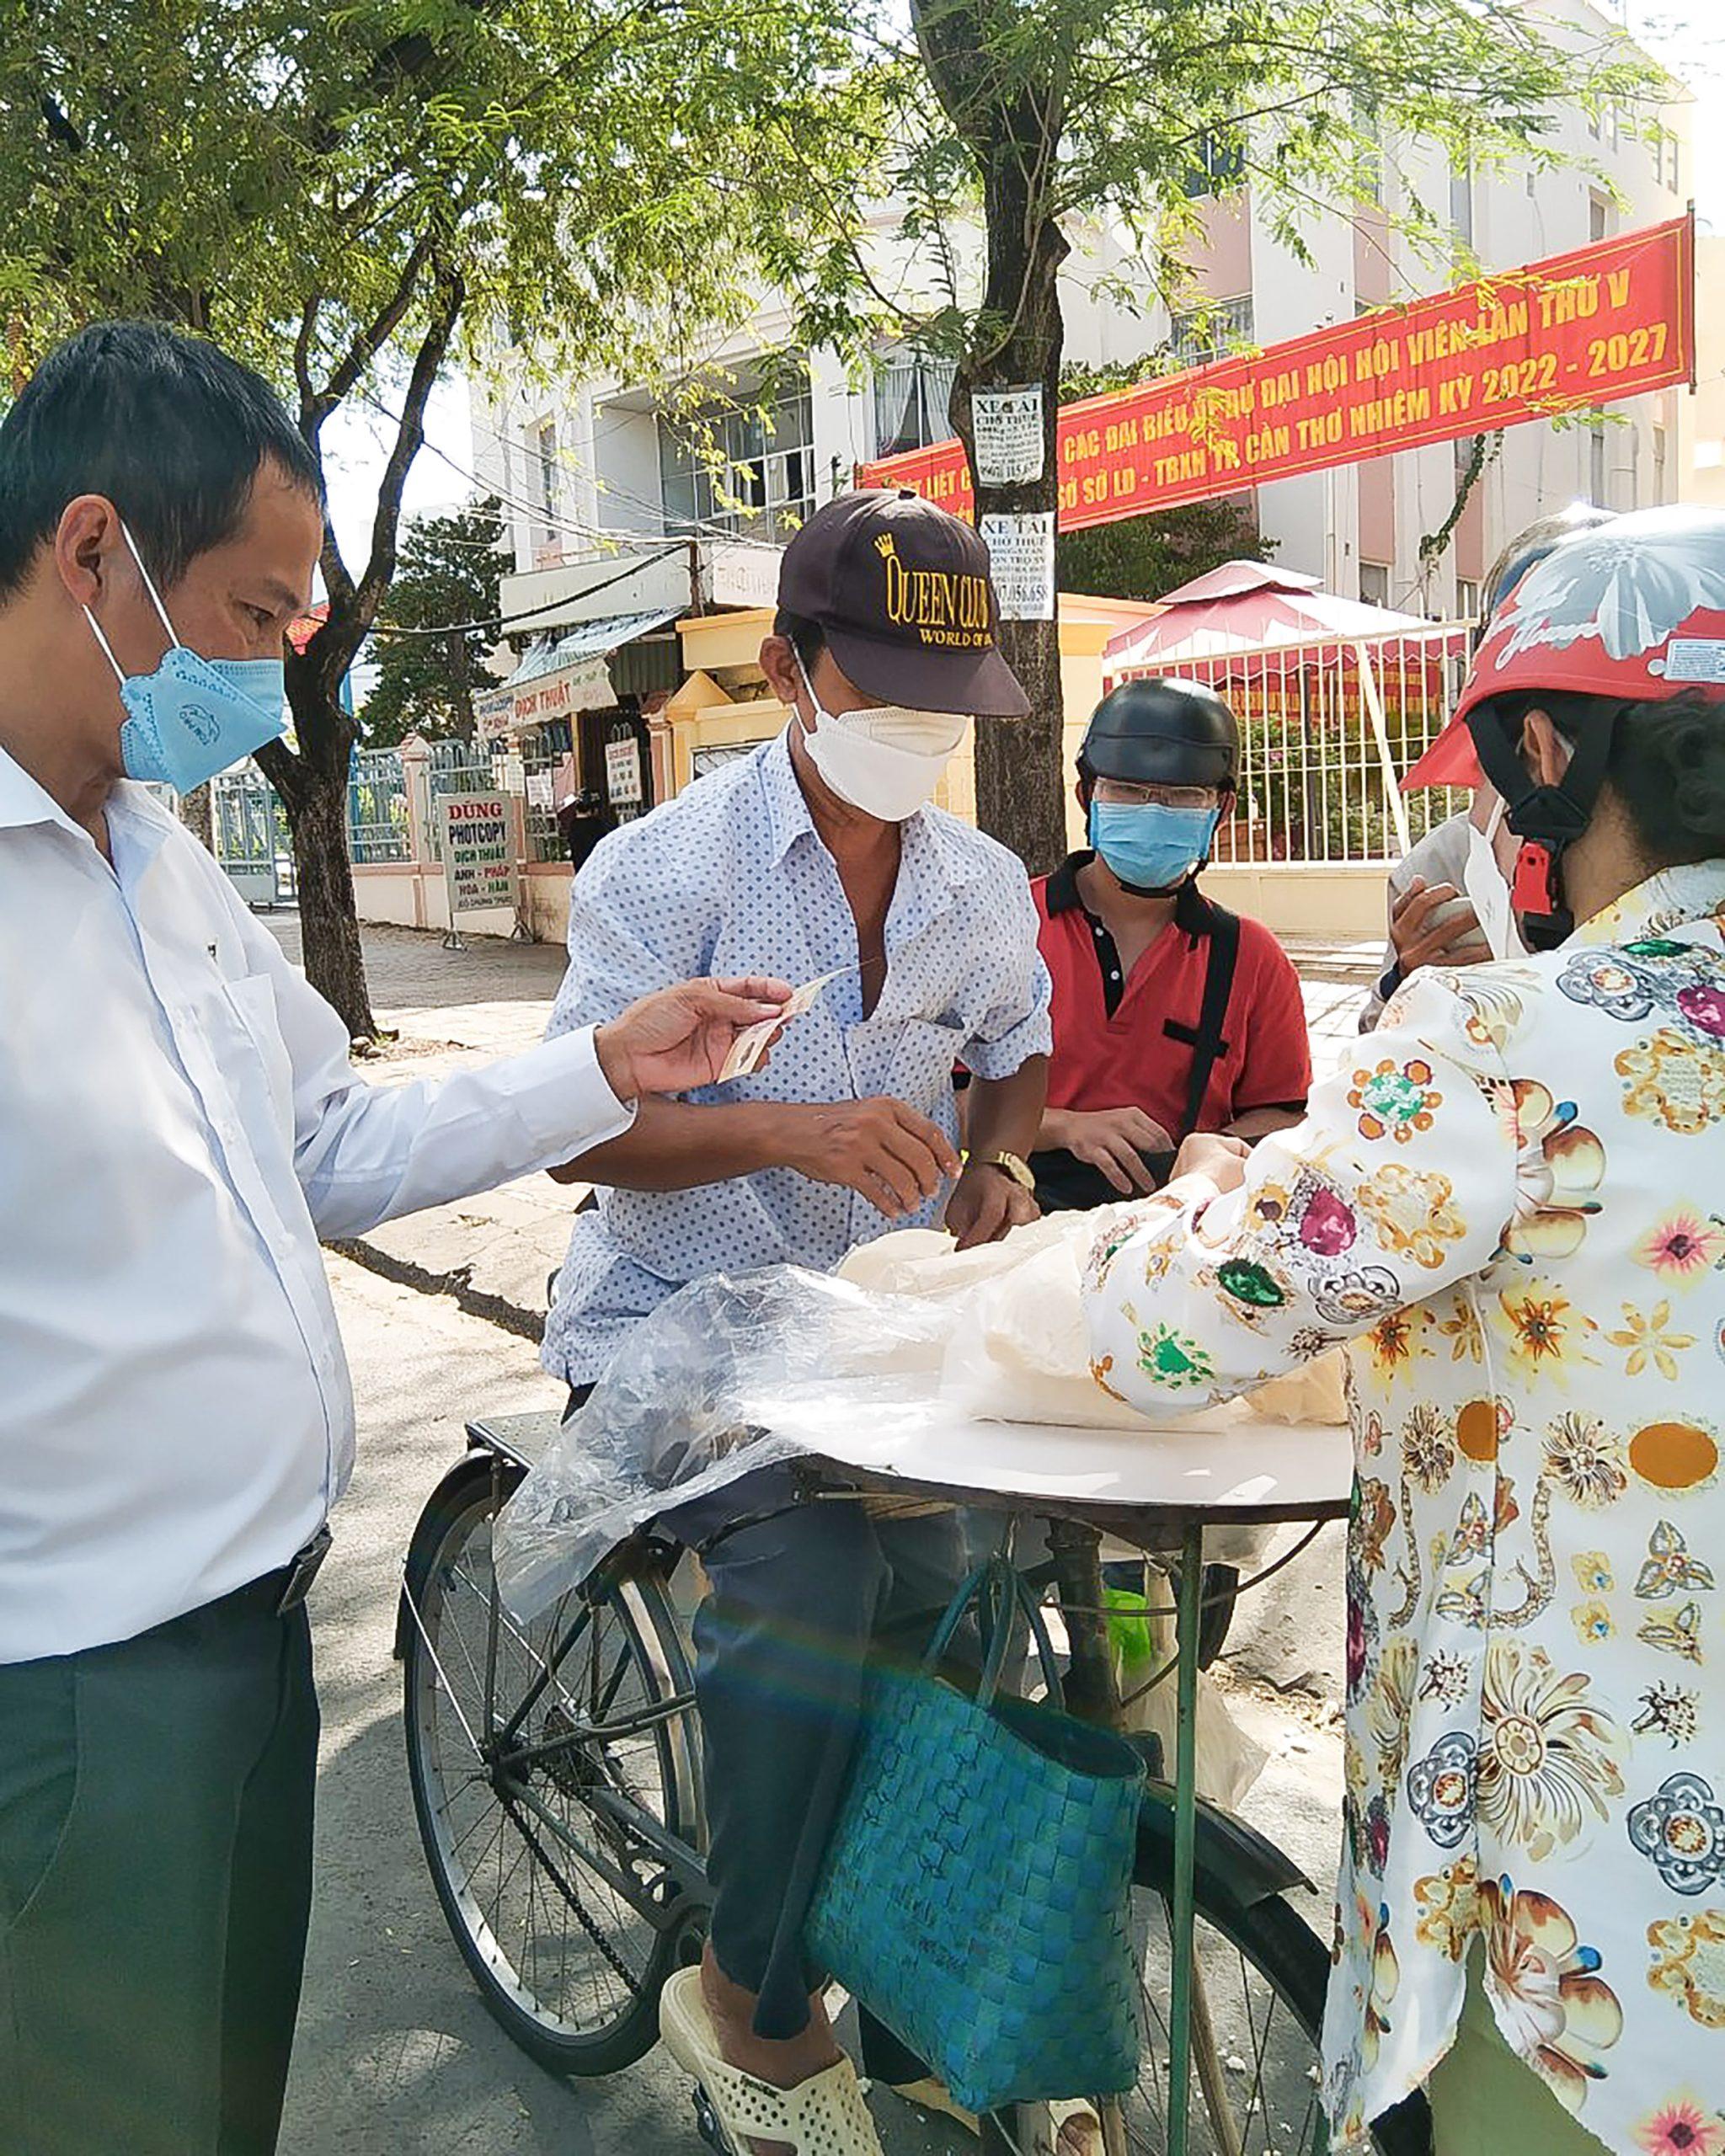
{"points": [[1608, 320]]}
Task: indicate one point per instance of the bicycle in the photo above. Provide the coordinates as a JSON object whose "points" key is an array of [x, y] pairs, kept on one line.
{"points": [[556, 1775]]}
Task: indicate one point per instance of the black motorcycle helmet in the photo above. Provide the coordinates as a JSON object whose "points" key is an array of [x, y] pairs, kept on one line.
{"points": [[1162, 733]]}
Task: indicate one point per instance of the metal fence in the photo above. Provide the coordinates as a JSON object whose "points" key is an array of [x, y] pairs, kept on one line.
{"points": [[1326, 731], [248, 825], [377, 821], [457, 767]]}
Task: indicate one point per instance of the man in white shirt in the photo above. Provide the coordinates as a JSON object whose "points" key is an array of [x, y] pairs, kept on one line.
{"points": [[178, 1124]]}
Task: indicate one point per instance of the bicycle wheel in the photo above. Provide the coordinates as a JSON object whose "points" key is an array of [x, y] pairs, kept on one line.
{"points": [[564, 1959], [1262, 1974]]}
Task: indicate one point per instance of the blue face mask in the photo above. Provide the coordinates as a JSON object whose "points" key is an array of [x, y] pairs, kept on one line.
{"points": [[193, 716], [1152, 847]]}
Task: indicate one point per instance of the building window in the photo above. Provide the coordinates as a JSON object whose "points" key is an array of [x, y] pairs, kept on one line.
{"points": [[542, 454], [1467, 598], [1667, 156], [750, 473], [1374, 583], [1461, 202], [1598, 216], [1199, 333], [912, 391], [1218, 166]]}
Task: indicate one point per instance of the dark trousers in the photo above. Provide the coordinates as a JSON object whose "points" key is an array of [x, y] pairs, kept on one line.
{"points": [[155, 1882], [797, 1598]]}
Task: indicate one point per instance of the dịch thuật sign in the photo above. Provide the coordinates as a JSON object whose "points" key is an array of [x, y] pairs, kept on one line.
{"points": [[1608, 320]]}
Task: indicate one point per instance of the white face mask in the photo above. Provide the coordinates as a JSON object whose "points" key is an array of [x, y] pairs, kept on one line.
{"points": [[887, 761], [1488, 886]]}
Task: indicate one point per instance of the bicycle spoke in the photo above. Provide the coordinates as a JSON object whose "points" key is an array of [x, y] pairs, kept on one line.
{"points": [[1253, 2053]]}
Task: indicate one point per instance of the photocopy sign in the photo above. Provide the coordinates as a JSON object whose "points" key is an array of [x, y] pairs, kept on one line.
{"points": [[477, 853], [1007, 426], [1021, 560]]}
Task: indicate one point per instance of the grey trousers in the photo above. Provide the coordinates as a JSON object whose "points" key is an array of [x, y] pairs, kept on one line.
{"points": [[155, 1802]]}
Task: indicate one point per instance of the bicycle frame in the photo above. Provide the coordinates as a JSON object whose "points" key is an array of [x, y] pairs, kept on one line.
{"points": [[661, 1875], [679, 1862]]}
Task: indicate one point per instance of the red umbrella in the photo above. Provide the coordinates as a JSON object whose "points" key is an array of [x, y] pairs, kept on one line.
{"points": [[1243, 606]]}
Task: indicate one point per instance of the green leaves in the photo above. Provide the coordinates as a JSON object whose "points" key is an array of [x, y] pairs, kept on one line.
{"points": [[1105, 110], [449, 576]]}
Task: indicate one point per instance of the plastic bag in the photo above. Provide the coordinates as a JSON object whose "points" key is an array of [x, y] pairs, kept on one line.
{"points": [[1229, 1761], [729, 1375]]}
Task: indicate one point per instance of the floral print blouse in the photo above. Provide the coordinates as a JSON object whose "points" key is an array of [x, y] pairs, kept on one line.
{"points": [[1512, 1207]]}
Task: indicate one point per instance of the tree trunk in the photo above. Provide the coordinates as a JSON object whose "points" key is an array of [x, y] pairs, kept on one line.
{"points": [[329, 929], [197, 813], [1021, 776], [466, 725], [312, 783]]}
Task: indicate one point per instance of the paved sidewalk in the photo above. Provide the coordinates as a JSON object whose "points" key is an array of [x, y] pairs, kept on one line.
{"points": [[458, 1008]]}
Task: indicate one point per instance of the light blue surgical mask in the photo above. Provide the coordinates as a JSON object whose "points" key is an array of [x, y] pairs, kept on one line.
{"points": [[193, 716], [1149, 846]]}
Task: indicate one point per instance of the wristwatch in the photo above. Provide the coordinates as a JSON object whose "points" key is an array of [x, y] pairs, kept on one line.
{"points": [[1009, 1164]]}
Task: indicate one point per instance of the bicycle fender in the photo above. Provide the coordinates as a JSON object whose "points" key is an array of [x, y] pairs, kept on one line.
{"points": [[475, 1468], [1237, 1866]]}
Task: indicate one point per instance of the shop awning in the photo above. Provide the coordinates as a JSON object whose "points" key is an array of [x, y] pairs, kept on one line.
{"points": [[564, 671]]}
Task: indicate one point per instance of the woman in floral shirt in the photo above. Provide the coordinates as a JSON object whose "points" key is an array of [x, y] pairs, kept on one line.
{"points": [[1512, 1207]]}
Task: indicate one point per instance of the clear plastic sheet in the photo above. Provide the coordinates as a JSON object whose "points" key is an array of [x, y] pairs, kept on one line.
{"points": [[729, 1375], [736, 1373]]}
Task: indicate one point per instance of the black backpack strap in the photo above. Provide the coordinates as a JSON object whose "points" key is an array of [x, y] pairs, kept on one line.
{"points": [[1208, 1043]]}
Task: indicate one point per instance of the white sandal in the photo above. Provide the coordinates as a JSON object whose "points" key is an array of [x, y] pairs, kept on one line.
{"points": [[1075, 2111], [824, 2116], [1042, 2121]]}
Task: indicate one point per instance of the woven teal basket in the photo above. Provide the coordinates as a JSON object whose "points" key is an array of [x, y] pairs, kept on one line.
{"points": [[976, 1893]]}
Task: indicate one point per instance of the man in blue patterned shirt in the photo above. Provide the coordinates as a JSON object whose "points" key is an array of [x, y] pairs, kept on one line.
{"points": [[817, 854]]}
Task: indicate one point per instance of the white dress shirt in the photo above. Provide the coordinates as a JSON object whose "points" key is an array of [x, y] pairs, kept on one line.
{"points": [[179, 1125]]}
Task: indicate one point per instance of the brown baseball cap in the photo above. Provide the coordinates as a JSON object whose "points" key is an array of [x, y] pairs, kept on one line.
{"points": [[902, 593]]}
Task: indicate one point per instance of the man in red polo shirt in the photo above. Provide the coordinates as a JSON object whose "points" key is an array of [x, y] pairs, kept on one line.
{"points": [[1170, 1015]]}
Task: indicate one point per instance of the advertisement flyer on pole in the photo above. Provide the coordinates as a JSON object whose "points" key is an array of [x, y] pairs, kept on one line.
{"points": [[1021, 559], [1007, 426]]}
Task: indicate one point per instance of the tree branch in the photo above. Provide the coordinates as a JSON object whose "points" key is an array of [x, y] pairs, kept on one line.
{"points": [[451, 297], [369, 342], [61, 131], [304, 339]]}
